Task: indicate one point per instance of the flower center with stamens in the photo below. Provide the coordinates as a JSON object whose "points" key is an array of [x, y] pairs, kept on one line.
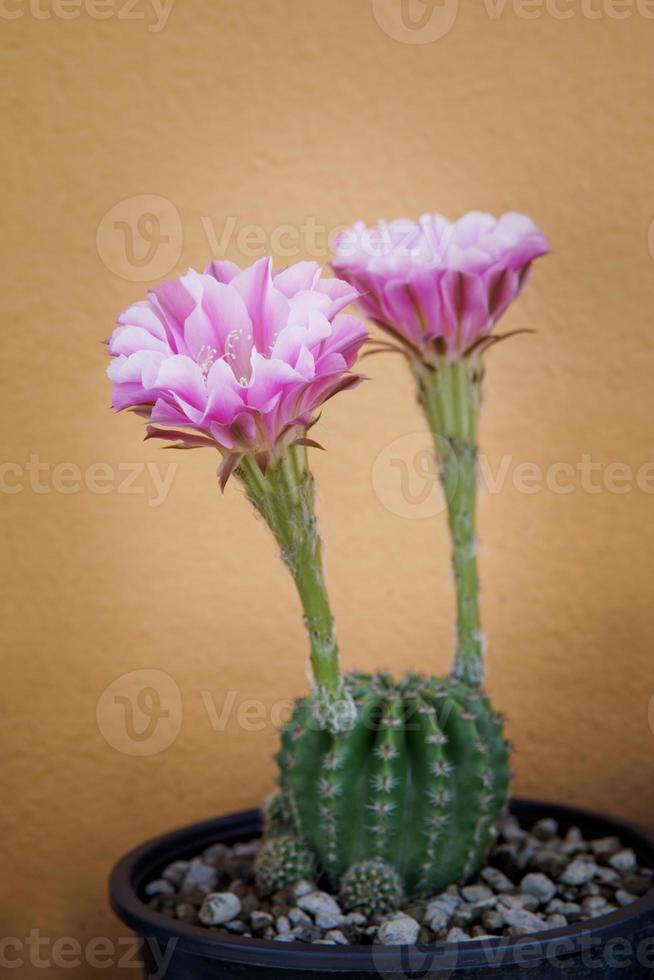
{"points": [[207, 356]]}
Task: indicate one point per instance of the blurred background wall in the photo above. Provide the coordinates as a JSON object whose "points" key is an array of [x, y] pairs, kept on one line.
{"points": [[145, 138]]}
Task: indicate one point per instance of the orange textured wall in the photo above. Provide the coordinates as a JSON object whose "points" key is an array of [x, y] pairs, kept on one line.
{"points": [[241, 126]]}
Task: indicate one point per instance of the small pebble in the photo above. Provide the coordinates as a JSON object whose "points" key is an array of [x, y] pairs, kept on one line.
{"points": [[215, 855], [475, 893], [590, 888], [571, 910], [493, 920], [159, 887], [545, 829], [523, 920], [456, 936], [539, 885], [355, 919], [399, 930], [261, 920], [623, 897], [199, 877], [299, 918], [573, 842], [607, 876], [521, 900], [556, 921], [438, 919], [282, 925], [307, 934], [483, 904], [337, 937], [325, 910], [578, 873], [301, 888], [464, 916], [623, 861], [605, 846], [219, 907], [593, 902], [175, 872], [497, 880], [550, 862], [447, 901], [603, 910]]}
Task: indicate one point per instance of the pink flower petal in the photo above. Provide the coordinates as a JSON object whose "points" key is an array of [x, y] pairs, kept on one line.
{"points": [[297, 277], [268, 307], [183, 378], [222, 270]]}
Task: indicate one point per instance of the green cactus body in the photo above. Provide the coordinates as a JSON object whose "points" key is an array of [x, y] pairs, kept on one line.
{"points": [[419, 780]]}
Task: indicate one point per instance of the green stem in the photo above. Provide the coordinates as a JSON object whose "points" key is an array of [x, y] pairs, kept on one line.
{"points": [[284, 495], [450, 395]]}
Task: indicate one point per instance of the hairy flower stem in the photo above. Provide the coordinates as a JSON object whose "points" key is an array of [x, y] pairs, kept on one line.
{"points": [[284, 495], [450, 395]]}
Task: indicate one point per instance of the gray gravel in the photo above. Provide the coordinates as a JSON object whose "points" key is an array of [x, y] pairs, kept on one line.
{"points": [[534, 880]]}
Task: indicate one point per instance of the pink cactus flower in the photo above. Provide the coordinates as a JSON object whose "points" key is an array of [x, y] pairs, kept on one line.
{"points": [[241, 360], [436, 285]]}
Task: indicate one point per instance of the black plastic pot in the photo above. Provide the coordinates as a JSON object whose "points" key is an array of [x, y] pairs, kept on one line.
{"points": [[618, 946]]}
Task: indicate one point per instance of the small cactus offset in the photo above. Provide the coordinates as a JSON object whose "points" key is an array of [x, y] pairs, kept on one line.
{"points": [[371, 887], [418, 782], [282, 861]]}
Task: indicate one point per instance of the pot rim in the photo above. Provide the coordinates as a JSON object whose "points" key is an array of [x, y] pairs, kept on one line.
{"points": [[143, 862]]}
